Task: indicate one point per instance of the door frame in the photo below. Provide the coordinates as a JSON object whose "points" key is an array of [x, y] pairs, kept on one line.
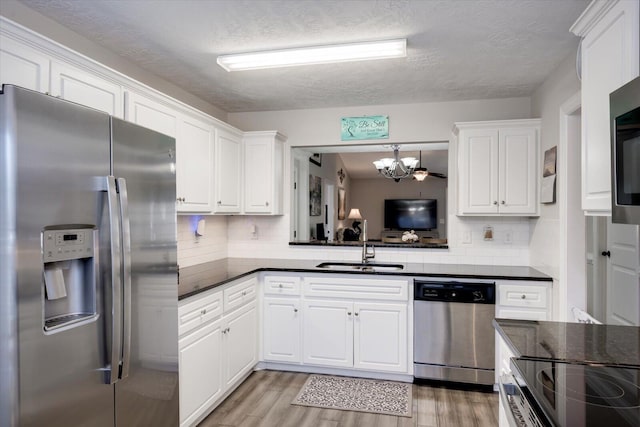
{"points": [[572, 278]]}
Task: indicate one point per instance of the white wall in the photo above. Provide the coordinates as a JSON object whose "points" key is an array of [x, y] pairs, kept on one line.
{"points": [[545, 250], [407, 123]]}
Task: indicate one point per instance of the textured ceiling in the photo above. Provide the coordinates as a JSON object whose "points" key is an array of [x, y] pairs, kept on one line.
{"points": [[457, 49]]}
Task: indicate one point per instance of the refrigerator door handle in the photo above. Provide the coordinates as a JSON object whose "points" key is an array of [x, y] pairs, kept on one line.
{"points": [[126, 276], [112, 370]]}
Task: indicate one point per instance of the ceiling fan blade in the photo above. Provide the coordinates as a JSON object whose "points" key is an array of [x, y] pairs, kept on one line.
{"points": [[438, 175]]}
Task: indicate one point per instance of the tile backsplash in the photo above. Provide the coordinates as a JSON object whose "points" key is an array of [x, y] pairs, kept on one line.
{"points": [[194, 249]]}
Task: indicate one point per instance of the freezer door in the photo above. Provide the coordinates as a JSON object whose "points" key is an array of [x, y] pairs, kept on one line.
{"points": [[144, 166], [61, 154]]}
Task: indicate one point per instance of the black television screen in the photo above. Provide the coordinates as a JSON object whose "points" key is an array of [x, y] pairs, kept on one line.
{"points": [[410, 214]]}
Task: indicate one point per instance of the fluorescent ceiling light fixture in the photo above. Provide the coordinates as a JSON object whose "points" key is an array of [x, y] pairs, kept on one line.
{"points": [[315, 55]]}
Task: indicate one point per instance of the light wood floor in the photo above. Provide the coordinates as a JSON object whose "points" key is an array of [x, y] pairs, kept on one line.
{"points": [[264, 399]]}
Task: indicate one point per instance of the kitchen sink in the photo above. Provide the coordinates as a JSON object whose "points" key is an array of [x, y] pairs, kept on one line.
{"points": [[360, 266]]}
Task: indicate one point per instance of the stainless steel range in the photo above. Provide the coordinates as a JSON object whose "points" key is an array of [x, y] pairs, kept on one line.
{"points": [[560, 394]]}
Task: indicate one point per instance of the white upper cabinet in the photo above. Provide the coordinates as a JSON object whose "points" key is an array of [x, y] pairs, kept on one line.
{"points": [[86, 88], [152, 114], [610, 55], [194, 165], [263, 177], [228, 171], [23, 66], [498, 167]]}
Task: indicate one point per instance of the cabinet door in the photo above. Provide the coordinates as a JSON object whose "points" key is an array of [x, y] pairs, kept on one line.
{"points": [[200, 371], [240, 343], [609, 60], [86, 88], [151, 114], [478, 171], [518, 160], [258, 187], [282, 330], [194, 165], [328, 333], [23, 66], [228, 168], [380, 337]]}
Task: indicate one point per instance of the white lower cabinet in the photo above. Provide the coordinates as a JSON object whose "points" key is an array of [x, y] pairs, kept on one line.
{"points": [[328, 333], [336, 321], [217, 348], [521, 300], [200, 364], [282, 327]]}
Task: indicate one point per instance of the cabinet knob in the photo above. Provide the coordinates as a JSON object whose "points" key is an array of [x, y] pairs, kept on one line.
{"points": [[348, 313], [523, 296], [356, 313], [502, 202], [295, 310], [228, 330], [203, 311], [495, 202], [219, 202], [606, 253], [266, 203], [280, 286], [244, 293]]}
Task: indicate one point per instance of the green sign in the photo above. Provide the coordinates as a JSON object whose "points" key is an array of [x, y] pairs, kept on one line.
{"points": [[369, 127]]}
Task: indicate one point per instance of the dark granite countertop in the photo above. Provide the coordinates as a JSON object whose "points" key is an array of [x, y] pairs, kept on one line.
{"points": [[199, 278], [572, 342]]}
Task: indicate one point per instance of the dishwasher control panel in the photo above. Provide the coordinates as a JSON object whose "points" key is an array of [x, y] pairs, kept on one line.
{"points": [[463, 292]]}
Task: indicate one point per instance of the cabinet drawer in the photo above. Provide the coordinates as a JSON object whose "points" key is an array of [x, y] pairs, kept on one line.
{"points": [[529, 296], [363, 288], [196, 312], [281, 285], [240, 294]]}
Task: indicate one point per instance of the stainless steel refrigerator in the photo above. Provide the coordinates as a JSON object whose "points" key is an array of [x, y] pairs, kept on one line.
{"points": [[88, 269]]}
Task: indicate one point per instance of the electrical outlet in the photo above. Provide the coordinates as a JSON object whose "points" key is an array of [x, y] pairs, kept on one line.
{"points": [[466, 237], [508, 236]]}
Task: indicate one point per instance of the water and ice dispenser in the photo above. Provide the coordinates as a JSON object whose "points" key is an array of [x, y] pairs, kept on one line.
{"points": [[70, 275]]}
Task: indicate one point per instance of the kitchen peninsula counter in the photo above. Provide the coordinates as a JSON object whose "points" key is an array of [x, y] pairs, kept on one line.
{"points": [[199, 278], [375, 243], [585, 343]]}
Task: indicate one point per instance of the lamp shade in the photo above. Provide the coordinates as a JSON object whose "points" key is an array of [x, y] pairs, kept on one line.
{"points": [[354, 214]]}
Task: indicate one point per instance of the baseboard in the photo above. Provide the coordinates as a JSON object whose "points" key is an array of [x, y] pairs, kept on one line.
{"points": [[307, 369]]}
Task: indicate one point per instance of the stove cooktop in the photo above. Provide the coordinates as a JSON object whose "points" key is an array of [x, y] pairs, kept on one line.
{"points": [[582, 395]]}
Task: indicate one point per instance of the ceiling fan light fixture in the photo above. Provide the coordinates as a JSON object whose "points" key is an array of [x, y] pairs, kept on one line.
{"points": [[384, 49], [419, 174]]}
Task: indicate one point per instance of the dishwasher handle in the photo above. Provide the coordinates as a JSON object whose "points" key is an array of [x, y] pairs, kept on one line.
{"points": [[454, 291]]}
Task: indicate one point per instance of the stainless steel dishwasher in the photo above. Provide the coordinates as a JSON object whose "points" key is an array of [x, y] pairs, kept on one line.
{"points": [[454, 338]]}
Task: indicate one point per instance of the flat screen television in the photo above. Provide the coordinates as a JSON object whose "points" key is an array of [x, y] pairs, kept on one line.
{"points": [[410, 214]]}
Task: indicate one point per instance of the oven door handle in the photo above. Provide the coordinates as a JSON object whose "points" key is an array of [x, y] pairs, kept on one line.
{"points": [[507, 389]]}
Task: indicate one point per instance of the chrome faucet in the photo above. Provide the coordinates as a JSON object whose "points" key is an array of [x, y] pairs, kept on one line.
{"points": [[366, 255]]}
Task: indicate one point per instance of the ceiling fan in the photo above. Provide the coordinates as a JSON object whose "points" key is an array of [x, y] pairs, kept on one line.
{"points": [[419, 174]]}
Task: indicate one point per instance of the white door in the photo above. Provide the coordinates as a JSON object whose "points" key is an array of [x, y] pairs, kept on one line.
{"points": [[228, 172], [380, 337], [200, 363], [623, 277], [328, 333], [23, 66], [478, 170], [518, 155], [329, 209], [86, 88], [194, 161], [240, 343], [258, 176], [281, 331]]}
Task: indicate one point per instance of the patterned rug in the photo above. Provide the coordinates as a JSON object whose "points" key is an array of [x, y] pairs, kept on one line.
{"points": [[356, 394]]}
